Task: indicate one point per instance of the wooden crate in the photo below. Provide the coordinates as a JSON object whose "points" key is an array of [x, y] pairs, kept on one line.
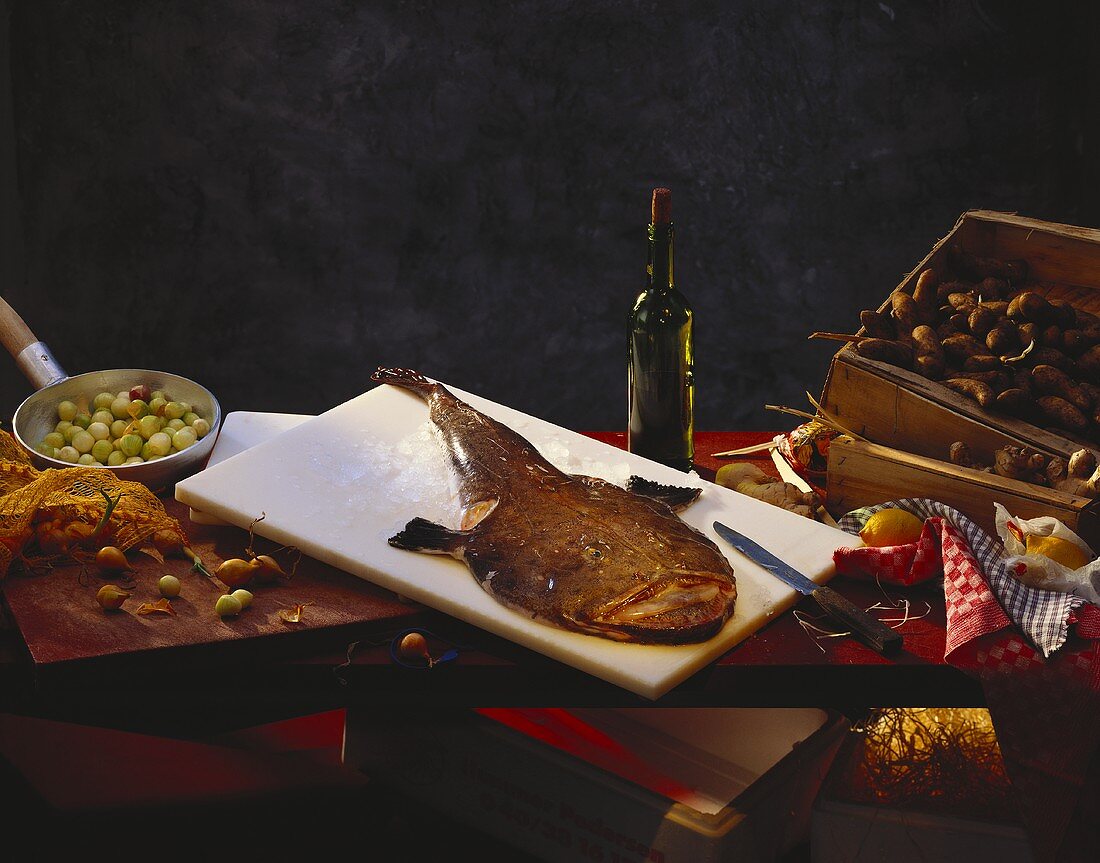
{"points": [[861, 473], [901, 409], [910, 422]]}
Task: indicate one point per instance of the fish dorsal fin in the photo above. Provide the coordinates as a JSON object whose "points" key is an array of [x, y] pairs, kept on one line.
{"points": [[676, 497]]}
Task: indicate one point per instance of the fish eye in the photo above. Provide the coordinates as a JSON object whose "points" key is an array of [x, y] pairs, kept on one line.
{"points": [[593, 552]]}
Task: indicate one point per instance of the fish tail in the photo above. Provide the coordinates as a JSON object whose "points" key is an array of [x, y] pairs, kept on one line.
{"points": [[423, 535], [407, 379]]}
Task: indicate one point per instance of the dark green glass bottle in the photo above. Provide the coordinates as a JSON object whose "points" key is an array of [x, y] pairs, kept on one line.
{"points": [[660, 384]]}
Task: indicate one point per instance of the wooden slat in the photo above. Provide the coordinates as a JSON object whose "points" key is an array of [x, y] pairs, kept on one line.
{"points": [[1026, 223], [862, 474], [894, 407]]}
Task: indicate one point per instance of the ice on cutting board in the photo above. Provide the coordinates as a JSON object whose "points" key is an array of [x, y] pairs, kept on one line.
{"points": [[415, 471]]}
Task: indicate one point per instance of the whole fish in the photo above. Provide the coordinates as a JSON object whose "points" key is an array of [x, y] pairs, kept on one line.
{"points": [[575, 552]]}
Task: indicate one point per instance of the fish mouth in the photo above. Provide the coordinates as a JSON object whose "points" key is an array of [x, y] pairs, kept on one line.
{"points": [[679, 608]]}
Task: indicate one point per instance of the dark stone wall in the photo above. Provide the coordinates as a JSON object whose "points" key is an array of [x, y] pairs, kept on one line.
{"points": [[276, 197]]}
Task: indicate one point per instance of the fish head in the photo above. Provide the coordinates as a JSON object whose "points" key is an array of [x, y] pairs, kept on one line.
{"points": [[672, 605], [650, 589]]}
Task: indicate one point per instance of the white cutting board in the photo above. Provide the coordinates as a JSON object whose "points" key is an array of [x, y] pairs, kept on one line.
{"points": [[242, 430], [340, 484]]}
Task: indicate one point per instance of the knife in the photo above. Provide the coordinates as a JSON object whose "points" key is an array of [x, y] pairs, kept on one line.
{"points": [[869, 628]]}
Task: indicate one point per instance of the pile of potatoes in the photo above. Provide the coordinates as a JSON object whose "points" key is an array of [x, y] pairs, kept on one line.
{"points": [[1078, 475], [981, 332]]}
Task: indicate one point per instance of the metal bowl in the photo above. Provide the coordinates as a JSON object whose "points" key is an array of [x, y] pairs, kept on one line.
{"points": [[37, 416]]}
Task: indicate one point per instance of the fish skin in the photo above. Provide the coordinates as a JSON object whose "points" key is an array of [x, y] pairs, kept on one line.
{"points": [[571, 551]]}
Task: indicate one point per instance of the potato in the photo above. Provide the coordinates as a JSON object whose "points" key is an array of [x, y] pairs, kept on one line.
{"points": [[1089, 362], [960, 454], [997, 381], [962, 302], [1003, 339], [1081, 463], [998, 307], [979, 391], [887, 351], [982, 363], [906, 312], [1050, 381], [981, 321], [1091, 390], [1076, 342], [991, 288], [1051, 357], [1030, 306], [929, 358], [959, 347], [1065, 315], [944, 289], [1027, 333], [877, 325], [1022, 379], [961, 322], [1060, 413], [1015, 402], [951, 327], [924, 294], [1051, 337]]}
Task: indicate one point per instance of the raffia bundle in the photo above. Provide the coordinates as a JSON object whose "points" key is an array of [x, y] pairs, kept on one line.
{"points": [[35, 504], [940, 760]]}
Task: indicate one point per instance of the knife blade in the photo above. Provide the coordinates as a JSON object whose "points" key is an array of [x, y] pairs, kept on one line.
{"points": [[870, 629]]}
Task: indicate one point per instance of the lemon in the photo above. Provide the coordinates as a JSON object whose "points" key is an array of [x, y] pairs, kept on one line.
{"points": [[891, 527], [1059, 550]]}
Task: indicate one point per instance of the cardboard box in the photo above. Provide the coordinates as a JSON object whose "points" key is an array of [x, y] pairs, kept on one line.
{"points": [[913, 416], [663, 785], [847, 833]]}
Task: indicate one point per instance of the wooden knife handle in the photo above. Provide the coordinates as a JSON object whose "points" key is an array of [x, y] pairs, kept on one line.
{"points": [[870, 629]]}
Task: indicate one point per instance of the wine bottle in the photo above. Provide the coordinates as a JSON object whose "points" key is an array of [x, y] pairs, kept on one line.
{"points": [[660, 384]]}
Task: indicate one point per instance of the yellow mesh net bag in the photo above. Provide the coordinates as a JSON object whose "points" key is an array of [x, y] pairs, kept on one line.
{"points": [[46, 513]]}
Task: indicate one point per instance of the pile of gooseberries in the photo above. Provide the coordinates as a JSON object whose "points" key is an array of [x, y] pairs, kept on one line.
{"points": [[129, 427]]}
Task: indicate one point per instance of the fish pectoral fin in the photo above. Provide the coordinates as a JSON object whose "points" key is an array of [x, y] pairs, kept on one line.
{"points": [[478, 512], [676, 497], [423, 535]]}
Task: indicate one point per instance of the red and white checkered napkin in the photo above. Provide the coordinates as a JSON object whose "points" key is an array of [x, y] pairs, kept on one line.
{"points": [[1042, 692], [981, 593]]}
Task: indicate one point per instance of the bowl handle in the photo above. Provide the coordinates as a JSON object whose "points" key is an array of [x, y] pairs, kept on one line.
{"points": [[32, 356]]}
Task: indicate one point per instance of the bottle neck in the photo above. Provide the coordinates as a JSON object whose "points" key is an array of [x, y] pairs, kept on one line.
{"points": [[659, 266]]}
